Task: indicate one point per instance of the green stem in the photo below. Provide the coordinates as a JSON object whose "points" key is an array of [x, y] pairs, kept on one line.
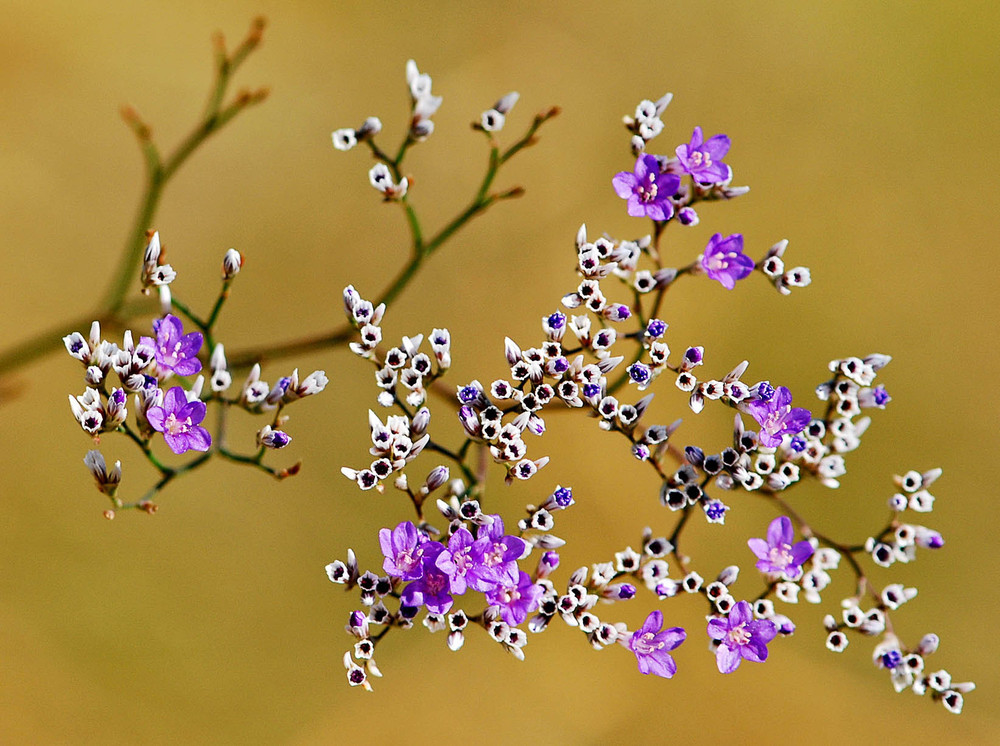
{"points": [[112, 310]]}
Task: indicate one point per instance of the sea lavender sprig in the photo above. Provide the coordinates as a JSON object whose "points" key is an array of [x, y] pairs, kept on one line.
{"points": [[176, 411], [569, 372]]}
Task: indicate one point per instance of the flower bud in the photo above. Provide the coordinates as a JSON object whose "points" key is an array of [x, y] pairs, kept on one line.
{"points": [[231, 264]]}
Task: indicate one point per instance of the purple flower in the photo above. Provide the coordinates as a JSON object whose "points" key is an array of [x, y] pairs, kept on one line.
{"points": [[740, 636], [516, 601], [776, 417], [703, 159], [457, 561], [778, 554], [178, 420], [433, 588], [495, 557], [175, 350], [647, 190], [403, 548], [652, 646], [725, 261]]}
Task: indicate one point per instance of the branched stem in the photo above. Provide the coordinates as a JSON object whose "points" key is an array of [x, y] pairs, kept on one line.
{"points": [[113, 310]]}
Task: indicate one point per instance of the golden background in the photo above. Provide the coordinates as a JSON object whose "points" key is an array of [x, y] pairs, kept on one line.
{"points": [[868, 133]]}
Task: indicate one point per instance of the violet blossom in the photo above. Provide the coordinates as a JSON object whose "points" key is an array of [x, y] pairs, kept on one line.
{"points": [[175, 350], [647, 190], [179, 421], [457, 561], [517, 601], [740, 637], [702, 159], [495, 557], [778, 555], [724, 260], [776, 417], [652, 646], [433, 588], [403, 548]]}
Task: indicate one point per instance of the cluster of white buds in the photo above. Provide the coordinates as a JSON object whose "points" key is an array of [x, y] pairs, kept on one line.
{"points": [[646, 124], [405, 364], [394, 444], [773, 265], [347, 138], [154, 273], [425, 105]]}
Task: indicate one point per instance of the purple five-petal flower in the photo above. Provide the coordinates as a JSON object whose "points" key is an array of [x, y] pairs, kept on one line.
{"points": [[175, 350], [647, 190], [776, 417], [724, 260], [403, 548], [740, 636], [458, 561], [433, 588], [703, 159], [778, 555], [494, 557], [179, 421], [652, 646], [517, 601]]}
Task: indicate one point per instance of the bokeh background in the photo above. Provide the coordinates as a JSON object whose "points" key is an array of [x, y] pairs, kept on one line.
{"points": [[868, 132]]}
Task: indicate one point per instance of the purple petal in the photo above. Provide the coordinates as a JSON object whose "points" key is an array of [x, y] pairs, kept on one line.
{"points": [[624, 184], [779, 532], [727, 659], [758, 409], [763, 629], [801, 552], [715, 173], [768, 440], [187, 366], [723, 278], [174, 400], [156, 416], [644, 663], [668, 184], [740, 614], [385, 543], [782, 398], [195, 410], [796, 420], [636, 208], [696, 139], [661, 665], [199, 439], [659, 210], [671, 638], [755, 651], [717, 628], [716, 146], [169, 331], [760, 548], [178, 443], [653, 622], [644, 165]]}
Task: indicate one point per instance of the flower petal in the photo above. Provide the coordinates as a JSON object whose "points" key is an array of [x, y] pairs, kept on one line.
{"points": [[624, 184], [727, 659]]}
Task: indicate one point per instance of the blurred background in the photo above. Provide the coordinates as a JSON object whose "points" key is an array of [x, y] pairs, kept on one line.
{"points": [[868, 133]]}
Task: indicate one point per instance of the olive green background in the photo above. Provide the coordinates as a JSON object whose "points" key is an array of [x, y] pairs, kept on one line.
{"points": [[868, 133]]}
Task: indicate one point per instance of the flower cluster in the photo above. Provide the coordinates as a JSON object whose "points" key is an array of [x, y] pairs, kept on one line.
{"points": [[615, 314], [176, 412]]}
